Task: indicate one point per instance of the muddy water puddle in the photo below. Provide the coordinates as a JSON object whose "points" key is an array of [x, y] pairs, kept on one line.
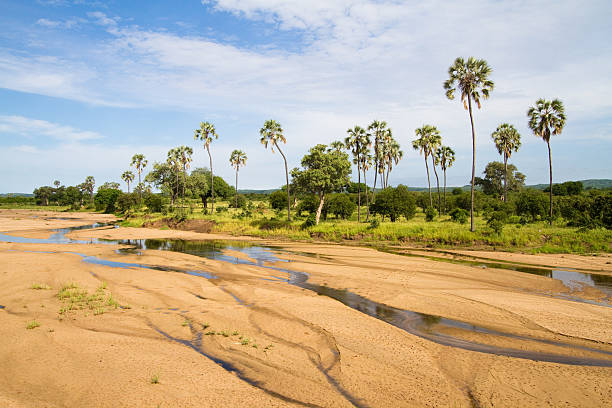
{"points": [[429, 327]]}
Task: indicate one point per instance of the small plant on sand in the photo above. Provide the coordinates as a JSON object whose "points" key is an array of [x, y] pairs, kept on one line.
{"points": [[185, 323], [75, 298], [32, 325], [235, 333], [40, 286], [155, 379], [245, 341], [205, 326], [210, 333]]}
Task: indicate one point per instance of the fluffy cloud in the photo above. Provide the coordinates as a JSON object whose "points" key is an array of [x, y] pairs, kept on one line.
{"points": [[36, 128]]}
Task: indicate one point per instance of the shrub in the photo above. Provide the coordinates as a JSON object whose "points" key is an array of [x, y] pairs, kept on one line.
{"points": [[459, 215], [531, 204], [394, 202], [430, 214], [341, 205], [153, 202], [497, 220], [105, 199], [241, 202], [278, 200], [311, 221], [309, 203], [374, 224], [126, 202]]}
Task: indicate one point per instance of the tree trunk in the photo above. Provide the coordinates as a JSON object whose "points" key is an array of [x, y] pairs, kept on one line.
{"points": [[287, 178], [433, 163], [428, 182], [365, 181], [128, 183], [550, 183], [236, 200], [473, 164], [321, 200], [505, 177], [139, 185], [444, 190], [358, 187], [212, 184], [184, 182]]}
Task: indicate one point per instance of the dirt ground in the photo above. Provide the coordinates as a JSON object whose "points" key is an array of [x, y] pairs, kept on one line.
{"points": [[276, 344]]}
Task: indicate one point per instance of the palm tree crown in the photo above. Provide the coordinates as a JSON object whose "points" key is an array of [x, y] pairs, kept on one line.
{"points": [[546, 118], [206, 133], [507, 139], [272, 133], [238, 158], [471, 78]]}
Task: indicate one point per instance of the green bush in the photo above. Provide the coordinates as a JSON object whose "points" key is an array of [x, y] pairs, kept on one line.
{"points": [[153, 202], [311, 221], [394, 202], [496, 221], [532, 204], [241, 202], [126, 202], [278, 200], [430, 214], [105, 199], [459, 215], [341, 205]]}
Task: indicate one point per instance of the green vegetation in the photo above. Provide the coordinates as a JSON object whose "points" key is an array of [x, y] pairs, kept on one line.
{"points": [[32, 325], [40, 286], [74, 298], [155, 379]]}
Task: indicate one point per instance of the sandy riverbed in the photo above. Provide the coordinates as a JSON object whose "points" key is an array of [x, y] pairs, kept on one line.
{"points": [[323, 353]]}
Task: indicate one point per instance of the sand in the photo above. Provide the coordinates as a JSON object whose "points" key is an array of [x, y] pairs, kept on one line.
{"points": [[322, 353]]}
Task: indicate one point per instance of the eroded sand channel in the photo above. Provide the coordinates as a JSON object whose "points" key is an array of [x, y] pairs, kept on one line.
{"points": [[323, 353]]}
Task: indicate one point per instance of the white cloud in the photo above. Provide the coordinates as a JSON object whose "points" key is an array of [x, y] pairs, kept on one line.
{"points": [[34, 129], [67, 24]]}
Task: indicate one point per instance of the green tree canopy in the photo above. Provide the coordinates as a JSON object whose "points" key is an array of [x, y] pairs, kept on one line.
{"points": [[493, 181], [324, 171]]}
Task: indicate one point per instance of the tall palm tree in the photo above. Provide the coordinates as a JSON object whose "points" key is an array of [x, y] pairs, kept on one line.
{"points": [[366, 162], [471, 77], [547, 118], [394, 155], [377, 129], [355, 142], [174, 161], [184, 156], [426, 135], [128, 177], [237, 158], [507, 140], [272, 133], [445, 157], [139, 161], [207, 134], [435, 141]]}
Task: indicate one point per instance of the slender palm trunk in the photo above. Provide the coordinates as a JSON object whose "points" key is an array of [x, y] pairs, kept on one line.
{"points": [[428, 182], [321, 201], [433, 163], [184, 182], [287, 178], [358, 187], [236, 200], [139, 184], [550, 182], [444, 169], [365, 181], [128, 183], [473, 164], [212, 183], [505, 177], [387, 176]]}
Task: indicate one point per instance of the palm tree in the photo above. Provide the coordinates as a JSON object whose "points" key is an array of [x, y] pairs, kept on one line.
{"points": [[139, 161], [128, 177], [174, 161], [272, 133], [435, 141], [378, 129], [238, 158], [366, 162], [337, 146], [184, 154], [393, 156], [427, 136], [471, 77], [355, 142], [507, 140], [207, 134], [445, 157], [545, 119]]}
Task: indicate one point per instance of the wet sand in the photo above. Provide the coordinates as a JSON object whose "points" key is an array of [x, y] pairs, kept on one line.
{"points": [[323, 353]]}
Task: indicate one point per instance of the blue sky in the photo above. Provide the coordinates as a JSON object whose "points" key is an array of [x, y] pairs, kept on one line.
{"points": [[85, 84]]}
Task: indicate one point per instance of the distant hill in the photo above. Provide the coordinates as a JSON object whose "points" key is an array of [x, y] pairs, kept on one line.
{"points": [[16, 195], [270, 191], [587, 184]]}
